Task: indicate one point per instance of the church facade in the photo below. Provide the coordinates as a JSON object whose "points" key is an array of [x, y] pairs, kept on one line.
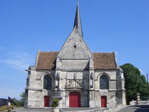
{"points": [[76, 76]]}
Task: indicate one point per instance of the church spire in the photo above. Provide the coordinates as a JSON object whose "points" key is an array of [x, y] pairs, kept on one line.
{"points": [[77, 22], [75, 47]]}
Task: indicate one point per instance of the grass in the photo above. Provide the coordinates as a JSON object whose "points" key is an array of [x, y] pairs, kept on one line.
{"points": [[2, 108]]}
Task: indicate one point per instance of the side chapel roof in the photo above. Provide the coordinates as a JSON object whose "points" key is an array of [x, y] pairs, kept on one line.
{"points": [[47, 61]]}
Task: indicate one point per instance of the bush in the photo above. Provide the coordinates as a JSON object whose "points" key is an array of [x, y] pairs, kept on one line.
{"points": [[55, 102], [16, 102]]}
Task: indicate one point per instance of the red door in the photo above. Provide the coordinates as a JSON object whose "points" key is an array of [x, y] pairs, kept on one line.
{"points": [[74, 99], [103, 101], [46, 101]]}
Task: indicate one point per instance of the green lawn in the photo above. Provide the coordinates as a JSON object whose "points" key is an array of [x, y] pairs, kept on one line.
{"points": [[2, 108]]}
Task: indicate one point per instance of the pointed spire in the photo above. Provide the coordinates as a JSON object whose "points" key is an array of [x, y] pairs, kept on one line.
{"points": [[77, 22]]}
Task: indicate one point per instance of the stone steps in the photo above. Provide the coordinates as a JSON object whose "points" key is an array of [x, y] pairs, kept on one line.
{"points": [[83, 110], [61, 110]]}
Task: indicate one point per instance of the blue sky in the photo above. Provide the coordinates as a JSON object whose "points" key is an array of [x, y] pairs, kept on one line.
{"points": [[27, 26]]}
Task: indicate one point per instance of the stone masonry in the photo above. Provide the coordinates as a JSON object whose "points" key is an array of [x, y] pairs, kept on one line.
{"points": [[76, 76]]}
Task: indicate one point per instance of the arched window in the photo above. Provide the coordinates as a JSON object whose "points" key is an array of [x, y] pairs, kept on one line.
{"points": [[47, 82], [104, 82]]}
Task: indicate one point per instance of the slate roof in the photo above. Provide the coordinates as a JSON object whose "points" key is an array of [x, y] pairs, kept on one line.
{"points": [[47, 61]]}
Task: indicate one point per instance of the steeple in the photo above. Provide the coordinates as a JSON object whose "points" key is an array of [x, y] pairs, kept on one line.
{"points": [[75, 47], [77, 22]]}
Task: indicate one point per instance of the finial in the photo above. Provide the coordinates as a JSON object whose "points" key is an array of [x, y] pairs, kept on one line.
{"points": [[77, 2]]}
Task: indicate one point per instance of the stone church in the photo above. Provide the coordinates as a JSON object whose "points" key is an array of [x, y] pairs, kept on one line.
{"points": [[75, 75]]}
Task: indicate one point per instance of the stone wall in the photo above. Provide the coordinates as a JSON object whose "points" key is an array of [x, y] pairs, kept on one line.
{"points": [[115, 94], [35, 90], [90, 96]]}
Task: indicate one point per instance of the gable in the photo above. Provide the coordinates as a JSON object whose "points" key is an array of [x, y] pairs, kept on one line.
{"points": [[74, 47]]}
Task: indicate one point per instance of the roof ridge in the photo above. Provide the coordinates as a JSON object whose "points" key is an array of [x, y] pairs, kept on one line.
{"points": [[49, 51], [115, 59], [102, 52]]}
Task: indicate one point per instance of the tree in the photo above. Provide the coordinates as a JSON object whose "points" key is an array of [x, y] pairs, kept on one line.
{"points": [[134, 83], [15, 102], [143, 88], [22, 100]]}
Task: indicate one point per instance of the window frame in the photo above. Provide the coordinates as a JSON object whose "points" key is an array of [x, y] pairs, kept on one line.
{"points": [[47, 82], [104, 82]]}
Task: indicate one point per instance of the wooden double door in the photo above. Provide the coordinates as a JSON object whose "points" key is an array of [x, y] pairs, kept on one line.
{"points": [[74, 99]]}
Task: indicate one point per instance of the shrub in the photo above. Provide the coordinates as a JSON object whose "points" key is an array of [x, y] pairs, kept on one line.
{"points": [[55, 102]]}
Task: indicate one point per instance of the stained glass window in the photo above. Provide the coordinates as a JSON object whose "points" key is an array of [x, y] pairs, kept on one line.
{"points": [[104, 82], [47, 82]]}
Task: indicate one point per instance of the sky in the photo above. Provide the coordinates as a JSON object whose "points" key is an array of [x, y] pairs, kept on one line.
{"points": [[27, 26]]}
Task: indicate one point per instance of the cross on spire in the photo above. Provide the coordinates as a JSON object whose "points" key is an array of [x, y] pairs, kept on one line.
{"points": [[77, 22]]}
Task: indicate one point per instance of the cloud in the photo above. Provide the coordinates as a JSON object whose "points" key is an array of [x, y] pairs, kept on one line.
{"points": [[19, 61]]}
